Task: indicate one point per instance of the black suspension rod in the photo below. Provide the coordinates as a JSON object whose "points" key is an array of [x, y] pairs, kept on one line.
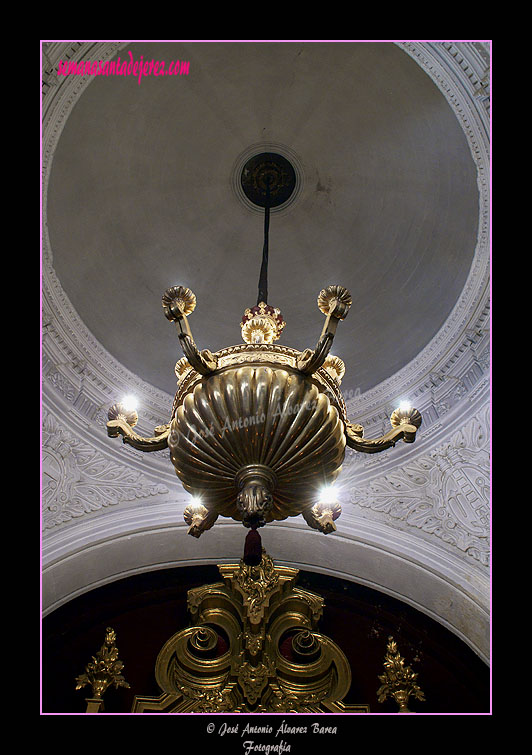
{"points": [[263, 279]]}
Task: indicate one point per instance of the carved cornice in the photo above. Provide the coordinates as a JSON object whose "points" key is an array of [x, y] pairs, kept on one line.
{"points": [[454, 385], [420, 573], [69, 345], [75, 393], [75, 365]]}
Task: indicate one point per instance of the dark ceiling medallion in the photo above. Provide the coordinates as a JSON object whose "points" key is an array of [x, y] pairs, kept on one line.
{"points": [[268, 170]]}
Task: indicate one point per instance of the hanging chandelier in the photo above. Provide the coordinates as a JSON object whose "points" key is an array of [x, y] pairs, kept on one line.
{"points": [[258, 430]]}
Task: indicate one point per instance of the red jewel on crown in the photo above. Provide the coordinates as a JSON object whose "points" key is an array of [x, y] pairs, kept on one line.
{"points": [[265, 310]]}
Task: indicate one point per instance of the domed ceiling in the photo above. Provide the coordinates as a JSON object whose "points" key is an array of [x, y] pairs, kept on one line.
{"points": [[143, 194]]}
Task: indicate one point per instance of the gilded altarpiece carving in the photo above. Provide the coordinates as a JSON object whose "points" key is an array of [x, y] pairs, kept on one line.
{"points": [[254, 647]]}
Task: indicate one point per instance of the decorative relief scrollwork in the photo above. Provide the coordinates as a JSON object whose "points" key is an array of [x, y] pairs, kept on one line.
{"points": [[283, 701], [444, 493], [253, 679], [77, 479], [206, 700], [253, 642], [62, 385], [255, 582]]}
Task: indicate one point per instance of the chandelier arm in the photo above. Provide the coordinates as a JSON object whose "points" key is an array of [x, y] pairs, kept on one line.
{"points": [[354, 438], [334, 302], [203, 362], [330, 325], [157, 442], [183, 325], [310, 361]]}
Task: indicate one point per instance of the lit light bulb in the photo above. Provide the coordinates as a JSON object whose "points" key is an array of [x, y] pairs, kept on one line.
{"points": [[129, 403], [328, 494], [405, 406]]}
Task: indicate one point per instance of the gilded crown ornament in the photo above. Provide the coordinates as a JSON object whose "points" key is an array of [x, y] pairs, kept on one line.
{"points": [[262, 324], [257, 429]]}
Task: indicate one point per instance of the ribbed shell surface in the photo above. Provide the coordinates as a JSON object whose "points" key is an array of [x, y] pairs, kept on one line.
{"points": [[257, 415]]}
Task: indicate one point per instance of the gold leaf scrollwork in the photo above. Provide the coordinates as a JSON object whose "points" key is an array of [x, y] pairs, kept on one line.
{"points": [[238, 656], [253, 679], [253, 642], [206, 701], [285, 701], [256, 582]]}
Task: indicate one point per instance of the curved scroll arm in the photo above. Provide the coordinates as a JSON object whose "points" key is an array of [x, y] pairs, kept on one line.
{"points": [[405, 424], [310, 361], [204, 361], [334, 302], [121, 422], [178, 302]]}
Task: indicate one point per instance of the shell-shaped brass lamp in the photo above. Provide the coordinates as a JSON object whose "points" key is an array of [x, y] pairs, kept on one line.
{"points": [[257, 429], [256, 441]]}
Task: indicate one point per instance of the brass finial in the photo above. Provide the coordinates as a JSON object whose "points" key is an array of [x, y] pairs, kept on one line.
{"points": [[119, 412], [398, 680], [178, 301], [335, 300], [104, 670]]}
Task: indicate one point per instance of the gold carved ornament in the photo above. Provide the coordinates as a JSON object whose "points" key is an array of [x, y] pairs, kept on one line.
{"points": [[257, 609], [399, 681], [103, 671], [261, 613]]}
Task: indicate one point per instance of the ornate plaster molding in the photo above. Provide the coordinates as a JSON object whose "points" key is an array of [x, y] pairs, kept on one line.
{"points": [[443, 493], [69, 349], [78, 479], [428, 518], [431, 580]]}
